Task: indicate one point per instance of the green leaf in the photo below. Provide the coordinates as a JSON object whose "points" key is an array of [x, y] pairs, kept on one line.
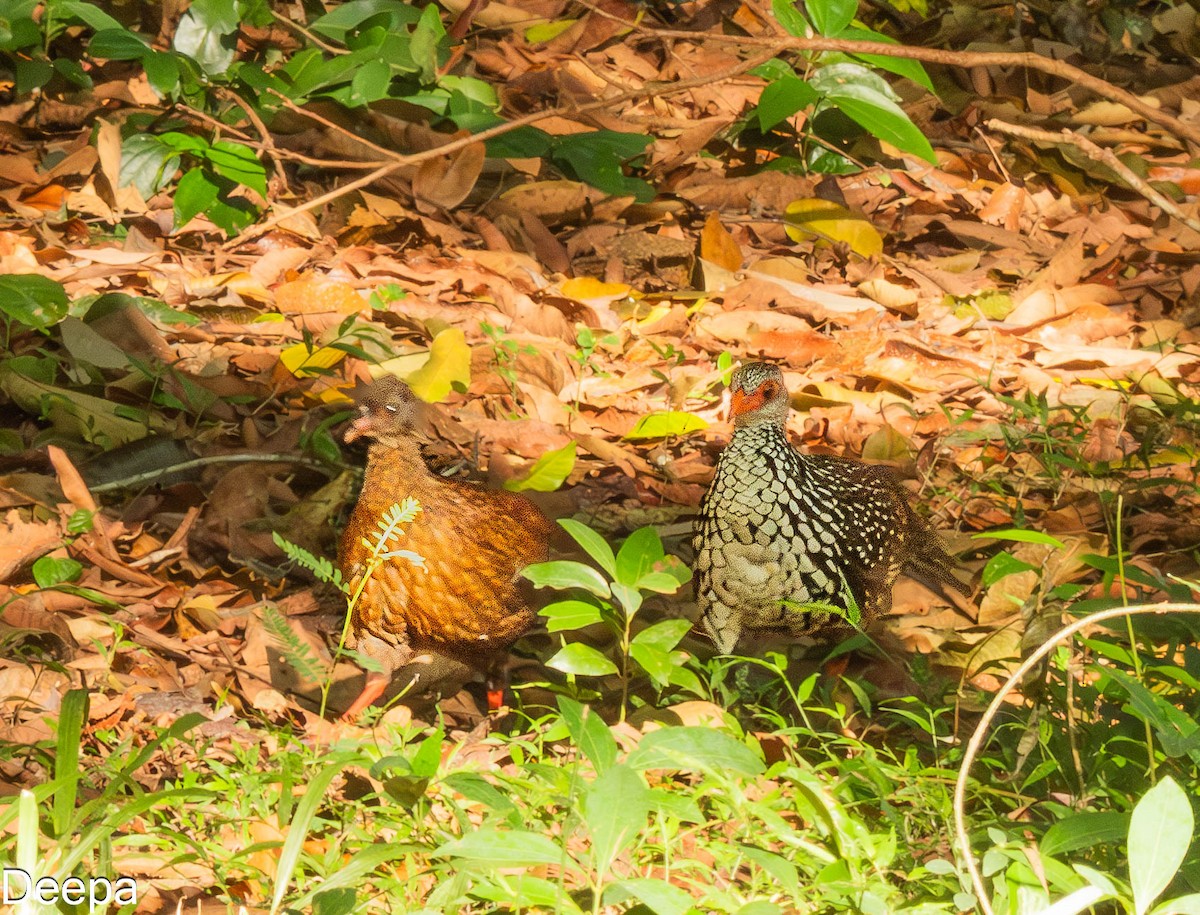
{"points": [[582, 660], [297, 831], [448, 367], [783, 98], [598, 157], [672, 422], [239, 164], [659, 896], [548, 473], [589, 732], [570, 614], [1001, 566], [1020, 536], [49, 571], [195, 194], [698, 749], [207, 34], [830, 17], [118, 44], [865, 98], [664, 635], [1181, 905], [32, 300], [505, 848], [72, 716], [593, 544], [1160, 832], [901, 66], [638, 555], [565, 573], [614, 808], [790, 18], [1084, 830]]}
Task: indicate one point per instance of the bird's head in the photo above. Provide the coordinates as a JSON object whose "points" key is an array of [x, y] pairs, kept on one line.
{"points": [[757, 395], [388, 413]]}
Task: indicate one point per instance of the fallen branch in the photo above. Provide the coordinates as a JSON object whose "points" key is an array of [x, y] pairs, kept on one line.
{"points": [[1105, 157]]}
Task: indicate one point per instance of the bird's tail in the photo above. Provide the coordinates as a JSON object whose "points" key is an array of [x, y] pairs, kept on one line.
{"points": [[934, 568]]}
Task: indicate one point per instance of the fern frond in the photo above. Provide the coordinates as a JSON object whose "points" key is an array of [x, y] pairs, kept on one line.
{"points": [[321, 567], [296, 651]]}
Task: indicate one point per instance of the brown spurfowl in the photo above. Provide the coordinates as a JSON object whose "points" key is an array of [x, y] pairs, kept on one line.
{"points": [[779, 530], [466, 600]]}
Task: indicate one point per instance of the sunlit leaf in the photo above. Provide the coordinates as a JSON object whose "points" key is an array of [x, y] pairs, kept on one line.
{"points": [[448, 367], [548, 472]]}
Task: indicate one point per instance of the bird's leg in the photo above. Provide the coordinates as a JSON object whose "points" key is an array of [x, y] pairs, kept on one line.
{"points": [[374, 688], [391, 658]]}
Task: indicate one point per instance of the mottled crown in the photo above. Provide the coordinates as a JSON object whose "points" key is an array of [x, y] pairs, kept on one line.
{"points": [[750, 376]]}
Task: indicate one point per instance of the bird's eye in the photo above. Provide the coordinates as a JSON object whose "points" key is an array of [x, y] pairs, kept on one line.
{"points": [[391, 408]]}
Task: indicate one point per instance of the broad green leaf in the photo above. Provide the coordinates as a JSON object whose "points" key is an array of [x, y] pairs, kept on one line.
{"points": [[589, 732], [565, 573], [147, 164], [1160, 832], [548, 472], [1001, 566], [781, 99], [593, 544], [666, 582], [239, 164], [1075, 903], [901, 66], [195, 194], [698, 749], [655, 661], [672, 422], [582, 660], [49, 571], [599, 159], [790, 18], [1084, 830], [505, 848], [638, 555], [614, 808], [118, 44], [866, 99], [830, 17], [1182, 905], [661, 897], [813, 217], [32, 300], [664, 635], [448, 367], [570, 614], [207, 34], [1020, 536]]}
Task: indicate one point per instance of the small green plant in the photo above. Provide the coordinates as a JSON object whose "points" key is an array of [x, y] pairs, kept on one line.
{"points": [[639, 566], [505, 351], [382, 546]]}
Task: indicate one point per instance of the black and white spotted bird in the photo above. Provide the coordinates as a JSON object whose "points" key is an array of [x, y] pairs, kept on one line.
{"points": [[779, 530]]}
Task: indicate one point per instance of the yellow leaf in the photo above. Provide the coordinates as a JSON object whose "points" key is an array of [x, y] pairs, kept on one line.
{"points": [[448, 367], [586, 287], [547, 31], [812, 217], [304, 364]]}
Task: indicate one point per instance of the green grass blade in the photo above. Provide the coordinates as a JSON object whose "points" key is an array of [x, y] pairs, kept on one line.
{"points": [[298, 830], [71, 717]]}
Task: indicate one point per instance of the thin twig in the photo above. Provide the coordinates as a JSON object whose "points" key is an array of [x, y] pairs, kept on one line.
{"points": [[1105, 157], [977, 738]]}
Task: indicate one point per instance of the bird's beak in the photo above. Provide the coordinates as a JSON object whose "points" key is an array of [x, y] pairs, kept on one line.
{"points": [[737, 402], [358, 429]]}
